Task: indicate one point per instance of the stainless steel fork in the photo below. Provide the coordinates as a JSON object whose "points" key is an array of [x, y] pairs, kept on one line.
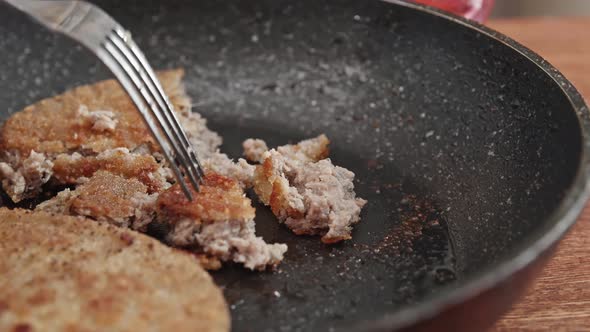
{"points": [[113, 45]]}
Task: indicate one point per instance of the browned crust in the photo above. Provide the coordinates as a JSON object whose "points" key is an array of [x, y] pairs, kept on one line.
{"points": [[279, 204], [334, 239], [219, 199], [107, 195], [64, 273], [262, 183], [52, 125], [141, 167]]}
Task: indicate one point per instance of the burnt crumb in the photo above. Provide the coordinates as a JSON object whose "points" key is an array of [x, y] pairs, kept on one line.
{"points": [[416, 216], [22, 327], [127, 238]]}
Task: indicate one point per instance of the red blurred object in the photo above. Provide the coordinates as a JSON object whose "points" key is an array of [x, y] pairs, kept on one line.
{"points": [[477, 10]]}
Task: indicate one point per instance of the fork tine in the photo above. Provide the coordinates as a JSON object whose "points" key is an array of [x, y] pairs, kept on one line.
{"points": [[138, 59], [181, 144], [169, 109], [165, 102], [115, 60]]}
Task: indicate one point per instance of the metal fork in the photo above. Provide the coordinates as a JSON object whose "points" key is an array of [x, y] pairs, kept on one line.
{"points": [[95, 29]]}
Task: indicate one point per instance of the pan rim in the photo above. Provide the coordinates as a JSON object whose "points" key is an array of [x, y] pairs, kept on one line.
{"points": [[562, 219]]}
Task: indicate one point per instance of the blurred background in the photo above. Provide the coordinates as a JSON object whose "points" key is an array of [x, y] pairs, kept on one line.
{"points": [[511, 8], [480, 10]]}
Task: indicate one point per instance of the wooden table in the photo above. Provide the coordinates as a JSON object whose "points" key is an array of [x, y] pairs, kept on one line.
{"points": [[560, 298]]}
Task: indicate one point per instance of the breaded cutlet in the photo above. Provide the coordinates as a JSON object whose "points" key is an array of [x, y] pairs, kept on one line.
{"points": [[305, 190], [60, 124], [59, 138], [63, 273], [100, 145], [218, 223]]}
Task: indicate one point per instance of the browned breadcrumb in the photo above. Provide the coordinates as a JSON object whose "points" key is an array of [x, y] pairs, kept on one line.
{"points": [[63, 273]]}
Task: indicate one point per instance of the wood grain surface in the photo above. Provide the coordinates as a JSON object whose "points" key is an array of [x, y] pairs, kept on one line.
{"points": [[560, 298]]}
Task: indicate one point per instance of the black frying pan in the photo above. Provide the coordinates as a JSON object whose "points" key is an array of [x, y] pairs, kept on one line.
{"points": [[469, 148]]}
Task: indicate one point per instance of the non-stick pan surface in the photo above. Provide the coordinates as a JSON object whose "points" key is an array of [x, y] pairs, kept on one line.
{"points": [[469, 148]]}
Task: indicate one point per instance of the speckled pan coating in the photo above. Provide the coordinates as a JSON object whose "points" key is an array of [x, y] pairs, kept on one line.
{"points": [[468, 147]]}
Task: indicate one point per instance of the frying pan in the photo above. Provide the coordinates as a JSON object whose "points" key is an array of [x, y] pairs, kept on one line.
{"points": [[470, 149]]}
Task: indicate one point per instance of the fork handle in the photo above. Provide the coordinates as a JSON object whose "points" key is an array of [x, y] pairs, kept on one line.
{"points": [[77, 19]]}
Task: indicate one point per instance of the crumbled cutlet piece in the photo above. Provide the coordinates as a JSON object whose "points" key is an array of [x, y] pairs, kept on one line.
{"points": [[254, 149], [310, 197], [99, 120], [104, 197], [205, 141], [218, 224], [72, 168], [220, 221], [237, 241], [240, 171], [23, 178], [62, 273], [329, 200], [312, 149]]}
